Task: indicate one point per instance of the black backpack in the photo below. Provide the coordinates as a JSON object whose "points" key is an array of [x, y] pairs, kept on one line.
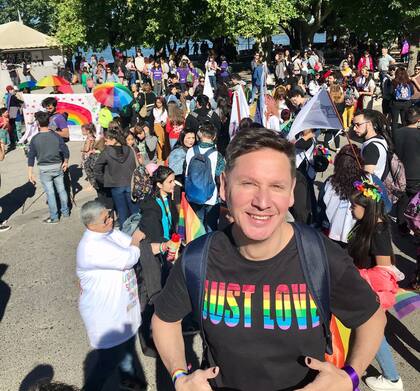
{"points": [[313, 261], [202, 119]]}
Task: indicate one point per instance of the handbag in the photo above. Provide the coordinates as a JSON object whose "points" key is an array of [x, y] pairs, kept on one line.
{"points": [[143, 110]]}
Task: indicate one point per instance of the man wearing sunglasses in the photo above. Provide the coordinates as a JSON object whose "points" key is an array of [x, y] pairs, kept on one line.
{"points": [[375, 145], [109, 300]]}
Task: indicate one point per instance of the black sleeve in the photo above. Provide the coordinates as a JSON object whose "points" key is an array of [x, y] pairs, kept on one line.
{"points": [[216, 121], [371, 154], [99, 168], [381, 242], [352, 300], [174, 303], [304, 144], [150, 222], [191, 123]]}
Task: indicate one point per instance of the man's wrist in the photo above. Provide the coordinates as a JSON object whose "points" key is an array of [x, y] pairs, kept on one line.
{"points": [[178, 374]]}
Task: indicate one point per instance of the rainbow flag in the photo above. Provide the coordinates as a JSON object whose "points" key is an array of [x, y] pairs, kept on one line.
{"points": [[406, 303], [340, 343], [190, 226]]}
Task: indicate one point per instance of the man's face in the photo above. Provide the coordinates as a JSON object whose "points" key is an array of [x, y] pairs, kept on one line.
{"points": [[384, 51], [259, 191], [331, 80], [360, 126], [104, 223]]}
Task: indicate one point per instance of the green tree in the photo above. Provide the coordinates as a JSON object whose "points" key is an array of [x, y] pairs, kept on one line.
{"points": [[69, 24], [34, 13]]}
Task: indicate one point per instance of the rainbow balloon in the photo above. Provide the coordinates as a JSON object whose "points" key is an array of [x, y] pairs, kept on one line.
{"points": [[77, 115], [189, 225]]}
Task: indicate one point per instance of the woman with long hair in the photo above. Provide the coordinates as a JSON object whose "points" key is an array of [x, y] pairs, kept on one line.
{"points": [[223, 111], [334, 198], [159, 213], [114, 169], [146, 143], [403, 91], [370, 246], [175, 123]]}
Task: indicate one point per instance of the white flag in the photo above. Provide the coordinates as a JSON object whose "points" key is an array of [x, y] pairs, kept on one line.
{"points": [[208, 90], [240, 110], [318, 113]]}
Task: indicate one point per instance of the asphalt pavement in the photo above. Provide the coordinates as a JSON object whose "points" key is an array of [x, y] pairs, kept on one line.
{"points": [[41, 332]]}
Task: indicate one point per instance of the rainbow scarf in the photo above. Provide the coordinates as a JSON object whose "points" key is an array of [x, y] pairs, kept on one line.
{"points": [[190, 226]]}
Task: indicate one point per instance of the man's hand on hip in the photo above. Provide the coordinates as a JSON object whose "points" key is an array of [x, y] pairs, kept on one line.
{"points": [[137, 237], [329, 377], [197, 381]]}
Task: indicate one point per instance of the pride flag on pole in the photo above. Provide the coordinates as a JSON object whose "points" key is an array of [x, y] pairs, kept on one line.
{"points": [[340, 343], [190, 226], [406, 302]]}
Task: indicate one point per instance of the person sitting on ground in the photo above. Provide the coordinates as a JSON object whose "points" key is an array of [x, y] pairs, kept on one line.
{"points": [[109, 301], [52, 156]]}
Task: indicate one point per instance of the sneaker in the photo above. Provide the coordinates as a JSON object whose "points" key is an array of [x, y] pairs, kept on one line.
{"points": [[4, 228], [382, 384], [50, 221]]}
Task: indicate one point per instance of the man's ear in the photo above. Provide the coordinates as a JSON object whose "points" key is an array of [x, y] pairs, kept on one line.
{"points": [[223, 184], [292, 193]]}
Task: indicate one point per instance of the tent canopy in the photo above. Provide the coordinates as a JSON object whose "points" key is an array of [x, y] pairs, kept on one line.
{"points": [[17, 36]]}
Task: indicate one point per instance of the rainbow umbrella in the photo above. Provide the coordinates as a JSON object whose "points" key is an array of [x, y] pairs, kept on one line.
{"points": [[114, 95], [31, 84], [52, 81]]}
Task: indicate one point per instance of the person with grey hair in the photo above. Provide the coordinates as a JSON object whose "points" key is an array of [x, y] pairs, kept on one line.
{"points": [[109, 301]]}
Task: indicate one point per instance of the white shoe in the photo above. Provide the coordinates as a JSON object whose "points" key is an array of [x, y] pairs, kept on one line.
{"points": [[382, 384]]}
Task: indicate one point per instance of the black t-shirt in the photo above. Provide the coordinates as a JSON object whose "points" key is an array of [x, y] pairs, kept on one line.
{"points": [[407, 144], [259, 318], [371, 154]]}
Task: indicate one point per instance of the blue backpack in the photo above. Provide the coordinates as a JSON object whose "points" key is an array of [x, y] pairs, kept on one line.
{"points": [[199, 181], [313, 261]]}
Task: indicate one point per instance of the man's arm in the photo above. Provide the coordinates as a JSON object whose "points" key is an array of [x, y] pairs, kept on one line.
{"points": [[63, 133]]}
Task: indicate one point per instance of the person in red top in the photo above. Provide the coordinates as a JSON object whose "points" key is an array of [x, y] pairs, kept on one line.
{"points": [[175, 123], [365, 61]]}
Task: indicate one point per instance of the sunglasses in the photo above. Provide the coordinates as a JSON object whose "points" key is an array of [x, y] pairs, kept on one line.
{"points": [[357, 124]]}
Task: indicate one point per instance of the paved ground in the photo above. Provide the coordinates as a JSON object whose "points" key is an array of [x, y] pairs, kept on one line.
{"points": [[41, 333]]}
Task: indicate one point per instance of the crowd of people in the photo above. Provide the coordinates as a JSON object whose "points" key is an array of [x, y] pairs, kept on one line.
{"points": [[172, 141]]}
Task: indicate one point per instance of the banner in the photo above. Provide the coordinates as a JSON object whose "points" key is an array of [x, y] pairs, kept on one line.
{"points": [[318, 113], [80, 109], [208, 89], [240, 110]]}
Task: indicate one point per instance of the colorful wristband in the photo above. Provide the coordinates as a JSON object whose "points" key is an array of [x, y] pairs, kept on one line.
{"points": [[163, 248], [177, 374], [353, 376]]}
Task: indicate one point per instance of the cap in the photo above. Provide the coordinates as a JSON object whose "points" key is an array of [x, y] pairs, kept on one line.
{"points": [[9, 88]]}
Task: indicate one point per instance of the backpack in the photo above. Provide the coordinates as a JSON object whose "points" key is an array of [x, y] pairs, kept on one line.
{"points": [[403, 92], [202, 119], [131, 224], [88, 166], [394, 180], [349, 97], [199, 181], [412, 213], [313, 261], [141, 184]]}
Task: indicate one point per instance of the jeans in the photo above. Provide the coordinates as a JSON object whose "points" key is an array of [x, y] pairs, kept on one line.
{"points": [[386, 362], [51, 176], [157, 87], [208, 215], [123, 204], [213, 82], [133, 77], [121, 356], [348, 115], [254, 91]]}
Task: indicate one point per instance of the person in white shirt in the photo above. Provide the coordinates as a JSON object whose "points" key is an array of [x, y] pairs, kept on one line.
{"points": [[109, 302]]}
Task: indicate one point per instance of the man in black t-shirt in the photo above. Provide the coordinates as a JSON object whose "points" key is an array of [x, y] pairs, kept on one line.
{"points": [[259, 319], [374, 147]]}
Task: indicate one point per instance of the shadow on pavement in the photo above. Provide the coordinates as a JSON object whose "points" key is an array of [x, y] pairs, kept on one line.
{"points": [[13, 201], [100, 365], [5, 291], [75, 174], [397, 334], [42, 373]]}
